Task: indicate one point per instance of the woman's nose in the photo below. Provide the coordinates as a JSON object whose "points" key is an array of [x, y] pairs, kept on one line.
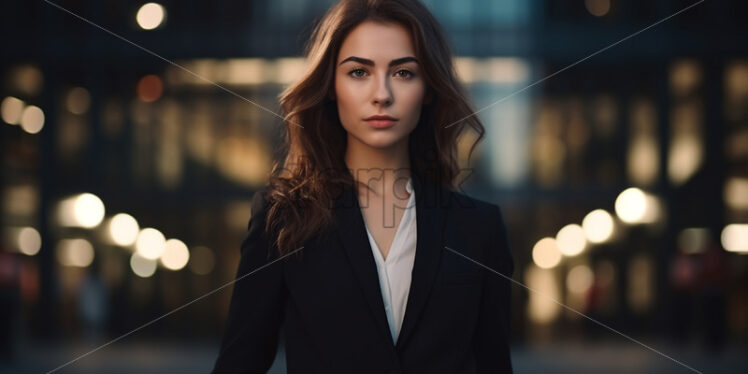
{"points": [[382, 92]]}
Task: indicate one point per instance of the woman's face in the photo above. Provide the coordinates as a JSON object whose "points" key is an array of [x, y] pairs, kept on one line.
{"points": [[376, 73]]}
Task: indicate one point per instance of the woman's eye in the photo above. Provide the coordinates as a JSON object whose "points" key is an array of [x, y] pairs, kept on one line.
{"points": [[359, 73], [354, 71], [408, 73]]}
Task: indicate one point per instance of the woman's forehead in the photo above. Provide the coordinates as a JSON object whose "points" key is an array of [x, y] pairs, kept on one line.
{"points": [[378, 42]]}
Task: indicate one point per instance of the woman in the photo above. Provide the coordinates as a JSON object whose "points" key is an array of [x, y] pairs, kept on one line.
{"points": [[394, 276]]}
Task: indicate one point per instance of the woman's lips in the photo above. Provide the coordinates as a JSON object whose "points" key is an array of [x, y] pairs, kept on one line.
{"points": [[381, 123]]}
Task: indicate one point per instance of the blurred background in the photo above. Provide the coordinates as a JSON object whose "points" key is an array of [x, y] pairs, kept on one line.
{"points": [[127, 176]]}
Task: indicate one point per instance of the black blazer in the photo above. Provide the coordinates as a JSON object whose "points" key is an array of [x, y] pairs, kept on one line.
{"points": [[330, 305]]}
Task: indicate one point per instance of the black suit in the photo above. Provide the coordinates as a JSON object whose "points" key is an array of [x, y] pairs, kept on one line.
{"points": [[330, 304]]}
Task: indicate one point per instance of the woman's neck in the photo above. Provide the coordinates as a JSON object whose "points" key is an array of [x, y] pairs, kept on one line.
{"points": [[382, 170]]}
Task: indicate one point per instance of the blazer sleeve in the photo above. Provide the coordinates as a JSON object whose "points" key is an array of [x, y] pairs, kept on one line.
{"points": [[250, 340], [493, 332]]}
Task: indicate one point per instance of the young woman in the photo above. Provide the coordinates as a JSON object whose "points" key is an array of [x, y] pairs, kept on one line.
{"points": [[359, 249]]}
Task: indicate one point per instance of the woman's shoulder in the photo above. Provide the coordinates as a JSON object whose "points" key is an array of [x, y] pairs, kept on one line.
{"points": [[472, 206], [259, 205], [486, 218]]}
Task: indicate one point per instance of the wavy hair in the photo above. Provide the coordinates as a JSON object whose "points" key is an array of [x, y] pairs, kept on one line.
{"points": [[303, 186]]}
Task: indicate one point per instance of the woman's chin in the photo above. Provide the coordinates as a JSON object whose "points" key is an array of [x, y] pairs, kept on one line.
{"points": [[382, 142]]}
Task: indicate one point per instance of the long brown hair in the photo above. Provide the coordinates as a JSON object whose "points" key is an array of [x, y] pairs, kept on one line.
{"points": [[302, 187]]}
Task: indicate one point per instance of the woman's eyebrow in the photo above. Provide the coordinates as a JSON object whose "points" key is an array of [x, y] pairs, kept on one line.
{"points": [[366, 61]]}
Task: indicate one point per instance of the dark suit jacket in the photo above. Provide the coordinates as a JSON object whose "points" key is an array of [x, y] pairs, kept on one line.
{"points": [[330, 305]]}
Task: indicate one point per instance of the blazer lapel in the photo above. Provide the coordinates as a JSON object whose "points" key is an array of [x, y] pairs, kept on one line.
{"points": [[356, 245], [430, 218]]}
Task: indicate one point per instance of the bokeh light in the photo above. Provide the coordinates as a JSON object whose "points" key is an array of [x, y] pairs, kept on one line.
{"points": [[545, 253], [150, 88], [693, 240], [29, 241], [150, 243], [27, 78], [634, 206], [597, 8], [83, 210], [32, 119], [579, 280], [150, 16], [89, 210], [542, 307], [735, 238], [598, 226], [75, 252], [176, 255], [78, 100], [11, 109], [631, 205], [736, 193], [571, 240], [123, 229], [141, 266]]}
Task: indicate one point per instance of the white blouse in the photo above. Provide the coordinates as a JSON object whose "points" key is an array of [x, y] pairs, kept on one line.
{"points": [[395, 271]]}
